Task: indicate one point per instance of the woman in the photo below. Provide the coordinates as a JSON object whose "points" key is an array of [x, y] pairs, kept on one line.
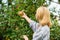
{"points": [[42, 28]]}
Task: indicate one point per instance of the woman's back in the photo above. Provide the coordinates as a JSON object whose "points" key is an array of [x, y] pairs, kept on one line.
{"points": [[40, 32]]}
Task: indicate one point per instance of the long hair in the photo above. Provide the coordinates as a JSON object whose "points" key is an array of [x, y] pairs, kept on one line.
{"points": [[43, 16]]}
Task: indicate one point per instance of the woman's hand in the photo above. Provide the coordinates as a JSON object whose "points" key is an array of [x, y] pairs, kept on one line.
{"points": [[22, 14], [25, 37]]}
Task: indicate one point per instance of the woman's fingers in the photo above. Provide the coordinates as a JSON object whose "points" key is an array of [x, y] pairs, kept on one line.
{"points": [[25, 37], [20, 13]]}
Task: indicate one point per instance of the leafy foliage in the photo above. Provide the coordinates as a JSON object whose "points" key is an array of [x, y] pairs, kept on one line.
{"points": [[12, 26], [55, 31]]}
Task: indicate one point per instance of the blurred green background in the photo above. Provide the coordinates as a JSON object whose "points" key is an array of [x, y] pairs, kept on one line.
{"points": [[12, 26]]}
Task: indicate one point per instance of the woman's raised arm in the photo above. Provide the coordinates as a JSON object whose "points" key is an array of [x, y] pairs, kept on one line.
{"points": [[22, 14]]}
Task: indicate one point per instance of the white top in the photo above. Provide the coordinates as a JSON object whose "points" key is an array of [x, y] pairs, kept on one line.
{"points": [[40, 32]]}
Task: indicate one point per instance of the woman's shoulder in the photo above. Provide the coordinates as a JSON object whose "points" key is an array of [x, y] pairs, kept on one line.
{"points": [[46, 27]]}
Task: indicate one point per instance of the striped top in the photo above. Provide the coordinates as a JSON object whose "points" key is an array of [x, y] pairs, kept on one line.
{"points": [[40, 32]]}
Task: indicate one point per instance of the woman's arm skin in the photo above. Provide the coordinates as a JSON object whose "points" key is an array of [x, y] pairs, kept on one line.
{"points": [[28, 19], [22, 14]]}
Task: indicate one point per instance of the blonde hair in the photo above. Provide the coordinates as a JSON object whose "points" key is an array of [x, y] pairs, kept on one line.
{"points": [[43, 16]]}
